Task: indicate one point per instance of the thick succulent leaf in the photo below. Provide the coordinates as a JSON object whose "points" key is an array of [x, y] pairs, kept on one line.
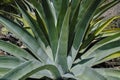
{"points": [[96, 30], [57, 5], [86, 43], [109, 57], [51, 70], [105, 7], [8, 13], [61, 15], [103, 52], [61, 56], [36, 30], [15, 50], [75, 5], [28, 68], [85, 15], [52, 31], [39, 8], [109, 72], [43, 32], [15, 73], [3, 71], [109, 32], [31, 23], [68, 75], [89, 35], [9, 62], [21, 33], [95, 23], [40, 18], [112, 78], [42, 74], [86, 73], [26, 26], [103, 26], [106, 50], [101, 44]]}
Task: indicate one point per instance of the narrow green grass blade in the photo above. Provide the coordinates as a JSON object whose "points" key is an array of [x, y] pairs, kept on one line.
{"points": [[105, 7], [87, 9], [61, 56], [15, 50], [27, 69], [9, 62]]}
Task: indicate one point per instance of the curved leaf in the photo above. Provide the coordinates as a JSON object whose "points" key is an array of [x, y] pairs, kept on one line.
{"points": [[36, 30], [21, 33], [9, 62], [103, 26], [28, 68], [31, 22], [101, 43], [15, 50], [105, 7], [106, 50], [109, 57], [86, 73]]}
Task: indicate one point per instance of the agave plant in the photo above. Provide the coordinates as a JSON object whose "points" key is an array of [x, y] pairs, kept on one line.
{"points": [[67, 40]]}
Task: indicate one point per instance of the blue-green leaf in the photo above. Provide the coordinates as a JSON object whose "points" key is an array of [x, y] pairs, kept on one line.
{"points": [[15, 50], [61, 56]]}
